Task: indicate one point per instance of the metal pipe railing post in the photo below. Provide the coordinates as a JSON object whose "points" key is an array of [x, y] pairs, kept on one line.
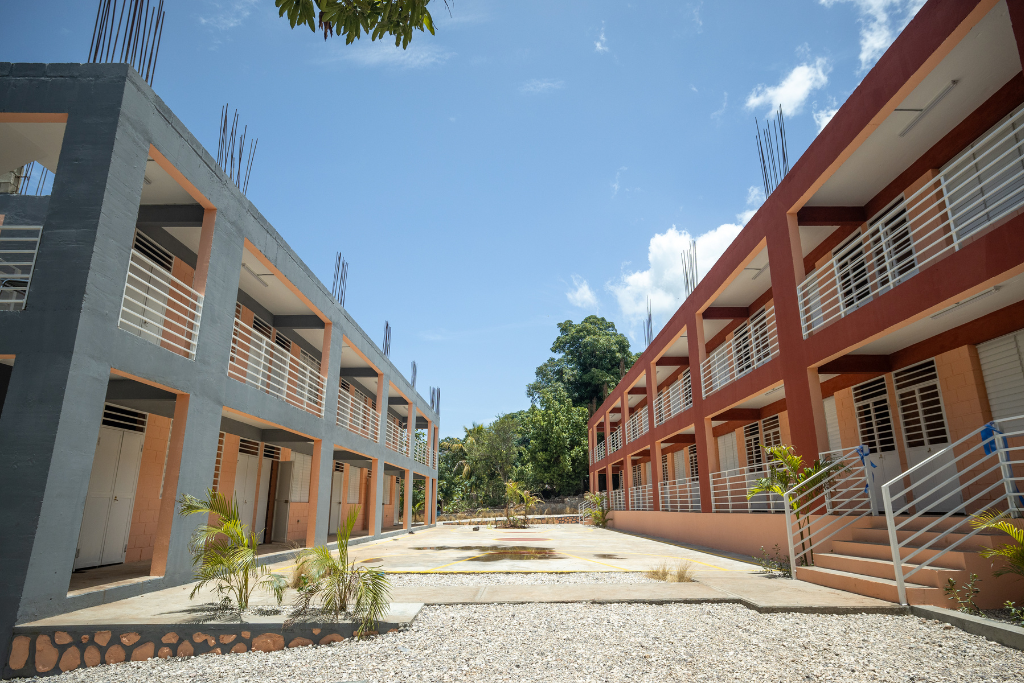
{"points": [[789, 537], [894, 545]]}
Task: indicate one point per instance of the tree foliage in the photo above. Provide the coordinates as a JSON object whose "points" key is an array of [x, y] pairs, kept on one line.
{"points": [[592, 358], [353, 18], [557, 450]]}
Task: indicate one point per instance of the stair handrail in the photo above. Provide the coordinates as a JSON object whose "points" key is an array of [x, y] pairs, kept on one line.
{"points": [[847, 495], [992, 442]]}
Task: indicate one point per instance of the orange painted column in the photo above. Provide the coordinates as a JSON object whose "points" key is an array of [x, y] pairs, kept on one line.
{"points": [[803, 389], [652, 392], [407, 501], [626, 459], [704, 438], [608, 483], [162, 542], [314, 494], [205, 246], [373, 500]]}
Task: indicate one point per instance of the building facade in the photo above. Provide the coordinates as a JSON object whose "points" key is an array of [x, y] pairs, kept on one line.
{"points": [[157, 338], [871, 313]]}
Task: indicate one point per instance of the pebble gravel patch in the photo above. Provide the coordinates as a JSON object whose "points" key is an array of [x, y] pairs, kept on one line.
{"points": [[619, 642], [506, 579]]}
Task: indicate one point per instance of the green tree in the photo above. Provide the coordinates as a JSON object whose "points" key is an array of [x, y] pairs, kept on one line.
{"points": [[352, 18], [557, 448], [593, 356]]}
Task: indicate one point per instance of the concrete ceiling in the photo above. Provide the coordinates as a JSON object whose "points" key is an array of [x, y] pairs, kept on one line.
{"points": [[981, 64], [23, 143]]}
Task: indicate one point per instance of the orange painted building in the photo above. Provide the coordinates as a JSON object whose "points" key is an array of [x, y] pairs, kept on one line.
{"points": [[870, 315]]}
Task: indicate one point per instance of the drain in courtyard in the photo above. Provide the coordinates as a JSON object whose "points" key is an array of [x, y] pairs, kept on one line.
{"points": [[496, 553]]}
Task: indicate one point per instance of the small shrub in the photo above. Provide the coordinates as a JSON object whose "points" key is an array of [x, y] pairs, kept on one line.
{"points": [[776, 564], [1016, 613], [964, 597], [682, 572], [599, 509]]}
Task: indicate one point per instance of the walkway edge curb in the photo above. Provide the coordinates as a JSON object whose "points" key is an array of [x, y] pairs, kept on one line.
{"points": [[1000, 632]]}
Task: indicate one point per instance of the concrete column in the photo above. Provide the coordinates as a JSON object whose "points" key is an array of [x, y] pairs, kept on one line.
{"points": [[321, 475], [376, 496], [803, 391], [704, 439], [343, 513], [382, 406], [652, 392], [407, 501], [608, 483]]}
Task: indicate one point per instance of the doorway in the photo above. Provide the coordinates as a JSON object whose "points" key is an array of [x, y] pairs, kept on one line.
{"points": [[874, 423]]}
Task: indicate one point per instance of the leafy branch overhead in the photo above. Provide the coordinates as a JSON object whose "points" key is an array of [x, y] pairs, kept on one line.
{"points": [[353, 18]]}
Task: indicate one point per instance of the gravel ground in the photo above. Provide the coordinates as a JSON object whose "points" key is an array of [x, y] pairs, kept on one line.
{"points": [[502, 579], [623, 642]]}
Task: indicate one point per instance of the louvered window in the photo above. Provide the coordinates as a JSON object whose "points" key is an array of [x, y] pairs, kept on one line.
{"points": [[1002, 365], [771, 432], [727, 456], [124, 418], [874, 421], [852, 269], [638, 477], [694, 469], [664, 467], [917, 390], [271, 451], [353, 486], [248, 447], [145, 245], [300, 477], [891, 246], [752, 442], [219, 463], [261, 326]]}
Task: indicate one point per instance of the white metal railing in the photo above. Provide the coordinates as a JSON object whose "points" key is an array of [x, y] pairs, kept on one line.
{"points": [[160, 308], [586, 507], [261, 363], [597, 453], [614, 441], [826, 503], [358, 412], [636, 425], [729, 490], [396, 438], [641, 497], [988, 469], [674, 399], [19, 245], [984, 184], [753, 344], [618, 500], [420, 452], [680, 495]]}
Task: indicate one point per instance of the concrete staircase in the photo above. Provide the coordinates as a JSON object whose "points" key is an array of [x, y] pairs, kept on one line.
{"points": [[863, 565]]}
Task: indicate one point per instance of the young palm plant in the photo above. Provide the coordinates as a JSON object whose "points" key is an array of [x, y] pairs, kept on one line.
{"points": [[786, 472], [335, 586], [1013, 552], [224, 552]]}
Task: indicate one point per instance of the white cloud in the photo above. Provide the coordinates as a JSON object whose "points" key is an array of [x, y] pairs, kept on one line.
{"points": [[880, 22], [755, 195], [615, 183], [823, 116], [725, 105], [601, 45], [226, 14], [582, 296], [794, 89], [695, 14], [663, 281], [384, 53], [541, 85]]}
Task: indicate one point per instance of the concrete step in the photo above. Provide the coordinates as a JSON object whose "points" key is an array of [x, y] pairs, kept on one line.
{"points": [[884, 569], [883, 589], [878, 522], [953, 559], [977, 542]]}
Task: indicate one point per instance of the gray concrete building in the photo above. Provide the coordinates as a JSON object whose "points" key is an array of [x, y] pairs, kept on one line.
{"points": [[158, 337]]}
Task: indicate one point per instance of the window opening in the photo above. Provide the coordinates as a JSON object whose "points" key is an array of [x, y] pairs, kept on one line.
{"points": [[874, 422]]}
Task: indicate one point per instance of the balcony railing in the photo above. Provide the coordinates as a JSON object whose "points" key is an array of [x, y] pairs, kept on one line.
{"points": [[420, 453], [673, 399], [159, 307], [396, 438], [980, 187], [753, 344], [357, 412], [641, 497], [18, 247], [597, 453], [680, 495], [636, 426], [614, 441], [729, 491], [261, 363], [618, 500]]}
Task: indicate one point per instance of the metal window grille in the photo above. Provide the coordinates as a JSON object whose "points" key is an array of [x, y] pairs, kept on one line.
{"points": [[694, 468], [917, 391], [124, 418], [19, 245], [874, 421], [771, 432], [752, 442], [271, 451]]}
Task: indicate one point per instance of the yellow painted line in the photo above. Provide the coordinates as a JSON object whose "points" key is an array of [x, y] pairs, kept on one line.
{"points": [[585, 559]]}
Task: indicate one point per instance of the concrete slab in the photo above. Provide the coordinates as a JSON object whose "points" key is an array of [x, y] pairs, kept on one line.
{"points": [[555, 593]]}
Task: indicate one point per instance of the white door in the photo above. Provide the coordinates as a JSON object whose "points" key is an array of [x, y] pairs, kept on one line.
{"points": [[832, 423], [335, 519], [925, 435], [246, 486], [874, 424], [107, 517], [262, 501]]}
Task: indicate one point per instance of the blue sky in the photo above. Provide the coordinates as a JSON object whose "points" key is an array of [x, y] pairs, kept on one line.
{"points": [[531, 163]]}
